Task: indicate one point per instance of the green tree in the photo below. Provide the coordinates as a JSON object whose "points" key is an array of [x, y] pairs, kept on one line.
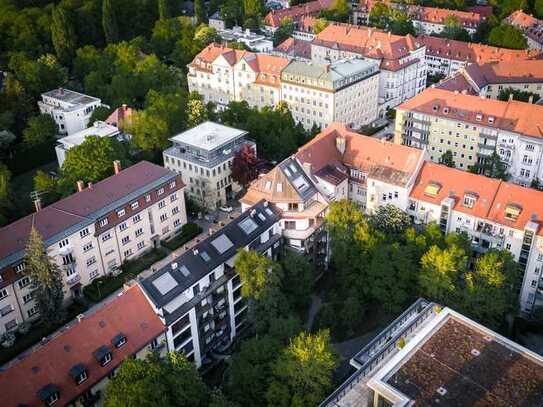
{"points": [[218, 399], [232, 12], [164, 9], [454, 29], [149, 131], [101, 113], [47, 185], [257, 272], [320, 25], [34, 76], [339, 11], [196, 110], [302, 374], [156, 382], [109, 22], [380, 15], [518, 94], [538, 8], [46, 280], [494, 167], [447, 159], [401, 24], [297, 280], [390, 220], [5, 195], [507, 36], [92, 160], [63, 34], [200, 12], [166, 33], [285, 30], [40, 131], [253, 11]]}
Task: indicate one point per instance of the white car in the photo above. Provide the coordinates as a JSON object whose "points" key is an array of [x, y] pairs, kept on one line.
{"points": [[226, 209]]}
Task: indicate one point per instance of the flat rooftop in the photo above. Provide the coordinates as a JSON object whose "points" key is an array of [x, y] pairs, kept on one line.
{"points": [[208, 136], [344, 68], [100, 129], [70, 96]]}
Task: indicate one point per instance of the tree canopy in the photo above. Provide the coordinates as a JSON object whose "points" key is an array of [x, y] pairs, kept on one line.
{"points": [[507, 36]]}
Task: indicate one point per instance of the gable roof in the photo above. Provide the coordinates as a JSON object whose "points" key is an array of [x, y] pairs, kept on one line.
{"points": [[295, 48], [50, 364], [522, 71], [529, 25], [121, 117], [436, 15], [274, 17]]}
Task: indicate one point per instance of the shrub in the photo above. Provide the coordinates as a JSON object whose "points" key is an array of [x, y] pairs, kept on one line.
{"points": [[188, 232], [8, 339], [24, 327]]}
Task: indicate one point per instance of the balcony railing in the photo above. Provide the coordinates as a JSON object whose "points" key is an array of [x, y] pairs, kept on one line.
{"points": [[73, 279]]}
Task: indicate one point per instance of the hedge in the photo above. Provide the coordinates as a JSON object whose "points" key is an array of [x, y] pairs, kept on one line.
{"points": [[188, 232]]}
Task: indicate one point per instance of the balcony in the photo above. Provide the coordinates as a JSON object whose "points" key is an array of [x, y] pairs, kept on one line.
{"points": [[64, 251], [73, 279]]}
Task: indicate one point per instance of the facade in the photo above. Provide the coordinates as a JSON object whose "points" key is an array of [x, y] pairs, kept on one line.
{"points": [[473, 128], [254, 42], [99, 129], [216, 22], [222, 75], [434, 356], [203, 157], [446, 57], [401, 59], [70, 110], [343, 91], [489, 79], [74, 366], [431, 20], [531, 27], [272, 20], [91, 233], [198, 296]]}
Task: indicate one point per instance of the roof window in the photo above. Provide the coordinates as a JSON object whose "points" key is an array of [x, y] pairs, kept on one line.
{"points": [[78, 373], [49, 394], [469, 200], [445, 110], [432, 189], [119, 340], [435, 108], [479, 117], [491, 119], [512, 211], [102, 355]]}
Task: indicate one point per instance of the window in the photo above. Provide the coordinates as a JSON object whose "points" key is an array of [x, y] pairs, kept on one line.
{"points": [[533, 283], [52, 399], [121, 213], [172, 184], [6, 310], [23, 282], [63, 243], [106, 237], [128, 253], [141, 245], [27, 298], [135, 205], [148, 198], [32, 311], [160, 191], [82, 377], [106, 359], [125, 240], [103, 222], [84, 232], [10, 324], [91, 261], [93, 274], [469, 200], [175, 210], [4, 293], [161, 204], [176, 222], [136, 218], [173, 197], [163, 217], [19, 267], [87, 247], [123, 226], [139, 232]]}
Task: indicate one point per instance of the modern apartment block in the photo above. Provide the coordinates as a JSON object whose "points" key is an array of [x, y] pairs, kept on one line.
{"points": [[203, 157], [446, 57], [490, 79], [198, 295], [74, 366], [99, 129], [302, 206], [253, 41], [91, 233], [401, 59], [531, 27], [434, 356], [431, 20], [474, 127], [222, 75], [344, 91], [70, 110]]}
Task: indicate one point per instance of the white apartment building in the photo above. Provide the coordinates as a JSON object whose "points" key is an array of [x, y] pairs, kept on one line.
{"points": [[70, 110], [431, 20], [222, 75], [401, 59], [253, 41], [203, 157], [99, 129], [344, 91], [198, 296], [91, 233], [474, 127]]}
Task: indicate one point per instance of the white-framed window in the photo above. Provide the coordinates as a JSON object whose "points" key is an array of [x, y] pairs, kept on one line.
{"points": [[19, 267], [93, 274], [160, 191], [141, 245], [106, 236], [161, 204], [32, 311], [139, 232], [121, 213], [63, 243], [469, 201], [125, 240], [10, 325], [173, 197], [27, 298], [176, 222], [84, 232], [87, 247], [106, 359], [128, 253], [540, 257], [172, 184], [23, 282], [3, 293], [148, 198], [103, 222], [175, 210], [136, 218], [123, 226], [70, 271], [91, 261], [135, 205], [163, 217], [6, 310], [82, 377]]}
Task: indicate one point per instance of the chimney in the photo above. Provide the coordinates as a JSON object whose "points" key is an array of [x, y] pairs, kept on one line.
{"points": [[117, 166], [510, 97], [124, 106], [37, 204], [80, 186], [80, 317], [89, 185], [531, 99], [307, 168], [389, 34], [61, 91]]}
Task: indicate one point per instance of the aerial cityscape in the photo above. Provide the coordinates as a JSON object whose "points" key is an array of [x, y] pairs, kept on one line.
{"points": [[276, 203]]}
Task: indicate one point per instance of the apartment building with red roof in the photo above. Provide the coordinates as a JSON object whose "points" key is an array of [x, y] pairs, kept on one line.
{"points": [[272, 20], [446, 57], [531, 27], [431, 20], [75, 364], [473, 128], [91, 233], [294, 49], [401, 58]]}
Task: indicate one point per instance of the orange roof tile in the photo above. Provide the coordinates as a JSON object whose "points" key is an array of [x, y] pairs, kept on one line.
{"points": [[129, 313], [295, 48], [121, 117], [438, 15], [274, 17], [519, 117]]}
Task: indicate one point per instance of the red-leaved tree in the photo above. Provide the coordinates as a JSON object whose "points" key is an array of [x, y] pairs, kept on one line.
{"points": [[244, 166]]}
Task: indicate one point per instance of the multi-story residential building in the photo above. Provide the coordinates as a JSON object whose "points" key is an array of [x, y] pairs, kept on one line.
{"points": [[303, 207], [90, 233], [198, 295], [70, 110], [344, 91], [401, 59], [446, 57], [253, 41], [473, 128], [99, 129], [531, 27], [431, 20], [222, 75], [203, 156], [75, 365], [273, 19], [294, 49], [494, 214], [434, 356], [490, 79]]}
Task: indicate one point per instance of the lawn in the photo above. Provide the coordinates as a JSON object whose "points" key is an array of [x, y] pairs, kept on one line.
{"points": [[38, 331]]}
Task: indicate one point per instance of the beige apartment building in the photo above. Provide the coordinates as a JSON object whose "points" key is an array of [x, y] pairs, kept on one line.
{"points": [[91, 233]]}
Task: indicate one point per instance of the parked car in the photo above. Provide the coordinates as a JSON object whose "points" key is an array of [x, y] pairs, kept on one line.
{"points": [[211, 218], [226, 209]]}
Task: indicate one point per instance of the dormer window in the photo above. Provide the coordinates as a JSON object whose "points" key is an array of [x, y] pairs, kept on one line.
{"points": [[469, 200], [445, 110], [479, 117], [49, 394], [512, 211], [432, 189], [79, 373], [491, 119], [119, 340], [435, 108], [103, 355]]}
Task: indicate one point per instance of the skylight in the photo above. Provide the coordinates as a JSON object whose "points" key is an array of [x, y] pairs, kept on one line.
{"points": [[205, 256], [261, 216], [222, 243], [165, 283], [269, 211], [184, 270], [248, 225]]}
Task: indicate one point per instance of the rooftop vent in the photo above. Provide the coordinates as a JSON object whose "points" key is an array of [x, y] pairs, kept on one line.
{"points": [[475, 352], [174, 265], [252, 213], [488, 338], [442, 391]]}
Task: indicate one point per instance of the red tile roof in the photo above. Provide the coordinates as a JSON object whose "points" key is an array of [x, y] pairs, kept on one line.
{"points": [[471, 52], [457, 83], [312, 8], [129, 313], [121, 117], [389, 162], [515, 116], [484, 11], [295, 48], [523, 71], [59, 216], [438, 15]]}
